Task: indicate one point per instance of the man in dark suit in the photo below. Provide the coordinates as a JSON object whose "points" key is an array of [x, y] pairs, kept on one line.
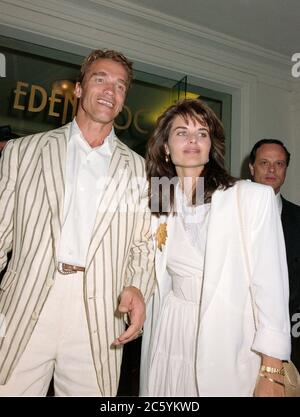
{"points": [[268, 164]]}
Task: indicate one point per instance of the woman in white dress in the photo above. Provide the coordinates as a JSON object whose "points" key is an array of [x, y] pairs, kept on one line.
{"points": [[220, 259]]}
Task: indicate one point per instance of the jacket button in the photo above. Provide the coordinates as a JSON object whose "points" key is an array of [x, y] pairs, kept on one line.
{"points": [[49, 283], [34, 316]]}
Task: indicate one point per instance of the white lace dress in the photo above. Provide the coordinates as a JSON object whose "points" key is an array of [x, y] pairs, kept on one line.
{"points": [[172, 371]]}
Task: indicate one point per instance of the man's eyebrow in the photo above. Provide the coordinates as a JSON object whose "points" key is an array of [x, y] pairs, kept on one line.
{"points": [[268, 160], [103, 73], [98, 73]]}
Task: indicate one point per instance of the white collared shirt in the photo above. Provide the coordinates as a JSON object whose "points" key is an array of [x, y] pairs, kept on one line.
{"points": [[279, 202], [86, 173]]}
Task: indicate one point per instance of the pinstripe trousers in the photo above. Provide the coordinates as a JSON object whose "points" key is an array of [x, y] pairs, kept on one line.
{"points": [[59, 346]]}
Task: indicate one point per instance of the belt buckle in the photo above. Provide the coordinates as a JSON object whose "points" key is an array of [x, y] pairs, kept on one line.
{"points": [[62, 271]]}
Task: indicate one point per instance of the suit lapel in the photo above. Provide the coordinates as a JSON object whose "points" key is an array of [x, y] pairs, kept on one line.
{"points": [[117, 182], [214, 254], [54, 162]]}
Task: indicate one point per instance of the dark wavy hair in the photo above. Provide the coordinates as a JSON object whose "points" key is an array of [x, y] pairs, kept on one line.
{"points": [[106, 54], [214, 172]]}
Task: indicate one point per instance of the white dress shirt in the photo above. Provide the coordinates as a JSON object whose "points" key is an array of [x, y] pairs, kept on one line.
{"points": [[279, 202], [86, 174]]}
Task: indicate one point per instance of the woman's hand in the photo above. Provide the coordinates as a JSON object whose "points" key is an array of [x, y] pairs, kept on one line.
{"points": [[266, 388], [270, 382]]}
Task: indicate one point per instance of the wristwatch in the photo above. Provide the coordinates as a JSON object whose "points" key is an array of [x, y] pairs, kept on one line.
{"points": [[271, 370]]}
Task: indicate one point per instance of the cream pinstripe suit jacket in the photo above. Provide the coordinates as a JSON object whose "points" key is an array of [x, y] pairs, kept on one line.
{"points": [[120, 253]]}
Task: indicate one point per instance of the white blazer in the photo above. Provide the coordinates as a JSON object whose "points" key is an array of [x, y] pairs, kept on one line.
{"points": [[227, 362]]}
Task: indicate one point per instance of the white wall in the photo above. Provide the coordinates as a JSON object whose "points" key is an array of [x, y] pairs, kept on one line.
{"points": [[272, 118], [293, 179], [266, 100]]}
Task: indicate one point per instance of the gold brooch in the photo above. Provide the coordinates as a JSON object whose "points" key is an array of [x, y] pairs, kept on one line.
{"points": [[161, 235]]}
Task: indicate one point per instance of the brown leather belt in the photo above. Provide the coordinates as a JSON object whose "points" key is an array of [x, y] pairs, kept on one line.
{"points": [[66, 269]]}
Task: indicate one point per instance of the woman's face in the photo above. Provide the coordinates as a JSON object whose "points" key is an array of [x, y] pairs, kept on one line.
{"points": [[189, 143]]}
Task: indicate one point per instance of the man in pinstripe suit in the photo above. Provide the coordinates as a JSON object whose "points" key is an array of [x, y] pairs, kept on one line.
{"points": [[73, 209]]}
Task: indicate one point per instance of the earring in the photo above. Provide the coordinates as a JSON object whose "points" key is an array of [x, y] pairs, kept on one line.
{"points": [[167, 158]]}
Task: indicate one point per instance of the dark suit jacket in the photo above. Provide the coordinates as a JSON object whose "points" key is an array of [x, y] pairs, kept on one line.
{"points": [[290, 217]]}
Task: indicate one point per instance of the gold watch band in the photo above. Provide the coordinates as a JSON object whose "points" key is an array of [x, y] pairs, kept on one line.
{"points": [[271, 370]]}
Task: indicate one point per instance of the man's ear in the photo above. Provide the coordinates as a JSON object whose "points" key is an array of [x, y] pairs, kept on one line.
{"points": [[251, 169], [78, 90]]}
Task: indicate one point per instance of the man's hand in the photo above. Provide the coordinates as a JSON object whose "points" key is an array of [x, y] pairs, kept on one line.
{"points": [[132, 303]]}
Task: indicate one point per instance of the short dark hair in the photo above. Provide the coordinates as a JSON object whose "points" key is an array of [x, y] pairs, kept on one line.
{"points": [[261, 142], [106, 54]]}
